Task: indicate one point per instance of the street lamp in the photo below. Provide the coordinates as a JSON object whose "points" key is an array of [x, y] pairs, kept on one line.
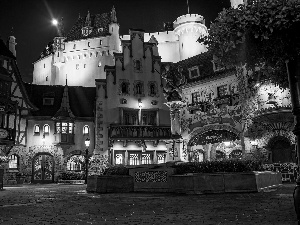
{"points": [[87, 144]]}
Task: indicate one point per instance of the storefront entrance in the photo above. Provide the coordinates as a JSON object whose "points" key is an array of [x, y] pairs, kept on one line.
{"points": [[43, 168]]}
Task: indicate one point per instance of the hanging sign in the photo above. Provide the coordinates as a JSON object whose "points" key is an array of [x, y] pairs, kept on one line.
{"points": [[3, 133], [214, 136]]}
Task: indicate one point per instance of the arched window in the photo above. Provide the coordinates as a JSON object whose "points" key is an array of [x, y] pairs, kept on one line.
{"points": [[86, 129], [36, 129], [13, 162], [138, 89], [46, 129], [137, 65], [75, 163]]}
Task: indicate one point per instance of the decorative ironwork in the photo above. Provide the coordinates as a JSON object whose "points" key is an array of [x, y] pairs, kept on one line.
{"points": [[134, 159], [139, 132], [151, 176]]}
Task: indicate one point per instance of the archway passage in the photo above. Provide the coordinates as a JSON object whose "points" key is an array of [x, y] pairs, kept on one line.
{"points": [[43, 168], [213, 136], [281, 150]]}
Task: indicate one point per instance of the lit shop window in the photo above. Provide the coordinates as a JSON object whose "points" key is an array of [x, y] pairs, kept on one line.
{"points": [[13, 162]]}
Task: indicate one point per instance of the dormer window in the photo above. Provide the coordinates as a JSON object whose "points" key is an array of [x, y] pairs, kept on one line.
{"points": [[86, 31], [194, 72]]}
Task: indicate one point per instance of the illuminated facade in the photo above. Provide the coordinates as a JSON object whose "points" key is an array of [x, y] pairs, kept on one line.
{"points": [[81, 54], [132, 121]]}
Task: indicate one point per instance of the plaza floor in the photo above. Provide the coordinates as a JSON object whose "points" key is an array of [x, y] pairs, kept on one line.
{"points": [[70, 204]]}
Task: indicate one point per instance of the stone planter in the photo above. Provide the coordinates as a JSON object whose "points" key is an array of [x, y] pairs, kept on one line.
{"points": [[152, 178], [20, 179], [71, 181], [109, 184], [1, 178], [202, 183]]}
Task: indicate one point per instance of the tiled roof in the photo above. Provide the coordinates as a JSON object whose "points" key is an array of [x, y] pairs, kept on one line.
{"points": [[47, 50], [81, 99], [97, 21], [4, 51], [204, 63]]}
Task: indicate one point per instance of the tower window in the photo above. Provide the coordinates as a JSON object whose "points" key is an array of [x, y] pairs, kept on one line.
{"points": [[100, 42], [89, 44], [74, 46], [86, 130], [46, 78], [46, 129], [77, 66], [44, 65], [36, 129]]}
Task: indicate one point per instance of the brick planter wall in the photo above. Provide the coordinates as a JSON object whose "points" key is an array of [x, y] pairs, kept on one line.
{"points": [[113, 184]]}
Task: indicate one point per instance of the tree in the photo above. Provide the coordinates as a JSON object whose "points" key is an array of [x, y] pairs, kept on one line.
{"points": [[264, 34]]}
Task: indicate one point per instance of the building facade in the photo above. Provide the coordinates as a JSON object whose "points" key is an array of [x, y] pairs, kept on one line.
{"points": [[132, 121]]}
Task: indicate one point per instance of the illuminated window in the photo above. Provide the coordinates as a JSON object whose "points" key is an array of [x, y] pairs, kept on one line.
{"points": [[75, 163], [46, 129], [161, 157], [86, 130], [13, 162], [36, 129], [134, 159], [119, 159], [146, 158]]}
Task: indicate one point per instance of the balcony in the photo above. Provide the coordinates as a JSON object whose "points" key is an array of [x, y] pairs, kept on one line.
{"points": [[139, 132], [64, 138]]}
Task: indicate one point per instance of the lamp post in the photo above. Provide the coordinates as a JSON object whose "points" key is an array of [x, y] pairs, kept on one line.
{"points": [[87, 144]]}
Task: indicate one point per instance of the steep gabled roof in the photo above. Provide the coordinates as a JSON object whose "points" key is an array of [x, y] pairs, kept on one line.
{"points": [[96, 22], [81, 99], [202, 61]]}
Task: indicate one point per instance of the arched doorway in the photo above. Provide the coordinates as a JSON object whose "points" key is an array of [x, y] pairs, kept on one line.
{"points": [[281, 149], [43, 168]]}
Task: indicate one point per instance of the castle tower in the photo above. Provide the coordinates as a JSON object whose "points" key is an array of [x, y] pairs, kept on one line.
{"points": [[11, 42], [189, 28], [236, 3]]}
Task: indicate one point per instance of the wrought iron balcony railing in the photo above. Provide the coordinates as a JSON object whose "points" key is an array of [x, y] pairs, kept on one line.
{"points": [[139, 132]]}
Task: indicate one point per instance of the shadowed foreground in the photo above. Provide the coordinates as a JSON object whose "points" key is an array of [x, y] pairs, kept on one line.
{"points": [[70, 204]]}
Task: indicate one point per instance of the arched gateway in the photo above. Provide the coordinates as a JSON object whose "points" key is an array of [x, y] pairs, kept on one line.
{"points": [[43, 168], [210, 138]]}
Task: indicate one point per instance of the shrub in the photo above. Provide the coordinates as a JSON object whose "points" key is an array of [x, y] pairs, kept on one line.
{"points": [[229, 165], [72, 176], [116, 170]]}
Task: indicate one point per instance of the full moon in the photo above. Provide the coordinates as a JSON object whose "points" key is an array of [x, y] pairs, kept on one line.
{"points": [[54, 22]]}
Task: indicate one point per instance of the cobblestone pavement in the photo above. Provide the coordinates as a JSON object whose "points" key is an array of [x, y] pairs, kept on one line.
{"points": [[70, 204]]}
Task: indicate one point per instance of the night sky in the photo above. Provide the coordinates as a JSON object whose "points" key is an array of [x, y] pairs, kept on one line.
{"points": [[31, 19]]}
